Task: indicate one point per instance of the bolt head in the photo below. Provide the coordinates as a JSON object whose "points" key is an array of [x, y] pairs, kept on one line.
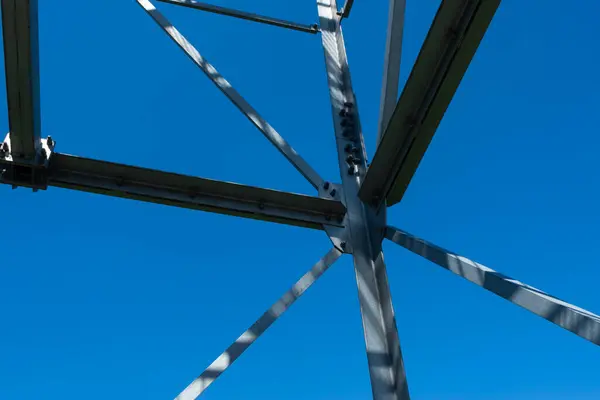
{"points": [[348, 133], [326, 185]]}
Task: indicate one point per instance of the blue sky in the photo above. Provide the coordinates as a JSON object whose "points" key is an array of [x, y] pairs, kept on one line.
{"points": [[110, 298]]}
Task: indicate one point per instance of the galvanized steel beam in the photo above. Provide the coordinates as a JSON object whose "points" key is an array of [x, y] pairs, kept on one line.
{"points": [[184, 191], [21, 61], [364, 230], [451, 43], [572, 318], [246, 339], [268, 131], [391, 65]]}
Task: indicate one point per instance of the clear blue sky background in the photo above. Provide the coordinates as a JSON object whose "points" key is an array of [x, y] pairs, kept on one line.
{"points": [[108, 298]]}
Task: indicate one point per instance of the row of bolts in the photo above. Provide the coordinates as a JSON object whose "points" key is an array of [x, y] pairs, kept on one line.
{"points": [[352, 159], [353, 152], [349, 132]]}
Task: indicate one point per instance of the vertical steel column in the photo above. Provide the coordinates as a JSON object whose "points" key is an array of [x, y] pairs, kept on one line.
{"points": [[21, 61], [365, 228], [391, 65]]}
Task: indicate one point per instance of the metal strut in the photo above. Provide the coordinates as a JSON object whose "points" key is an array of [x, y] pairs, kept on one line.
{"points": [[268, 131], [572, 318], [364, 226], [391, 65], [196, 5], [452, 40], [200, 384], [21, 62], [145, 184]]}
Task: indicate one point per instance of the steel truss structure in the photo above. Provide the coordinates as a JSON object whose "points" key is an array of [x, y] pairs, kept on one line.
{"points": [[352, 213]]}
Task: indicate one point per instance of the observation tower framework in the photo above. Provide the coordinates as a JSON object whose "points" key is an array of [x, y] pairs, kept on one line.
{"points": [[352, 212]]}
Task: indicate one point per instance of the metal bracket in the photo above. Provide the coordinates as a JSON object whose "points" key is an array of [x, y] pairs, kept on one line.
{"points": [[339, 235], [344, 12], [19, 171]]}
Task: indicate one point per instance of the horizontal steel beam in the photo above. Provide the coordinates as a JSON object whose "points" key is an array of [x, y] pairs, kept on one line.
{"points": [[244, 15], [453, 39], [172, 189], [572, 318], [21, 60], [246, 339]]}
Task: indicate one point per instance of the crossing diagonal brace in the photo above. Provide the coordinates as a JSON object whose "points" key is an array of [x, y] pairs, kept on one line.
{"points": [[268, 131]]}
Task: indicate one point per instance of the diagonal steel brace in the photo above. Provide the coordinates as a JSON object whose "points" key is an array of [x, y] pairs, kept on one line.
{"points": [[572, 318], [200, 384], [270, 133]]}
